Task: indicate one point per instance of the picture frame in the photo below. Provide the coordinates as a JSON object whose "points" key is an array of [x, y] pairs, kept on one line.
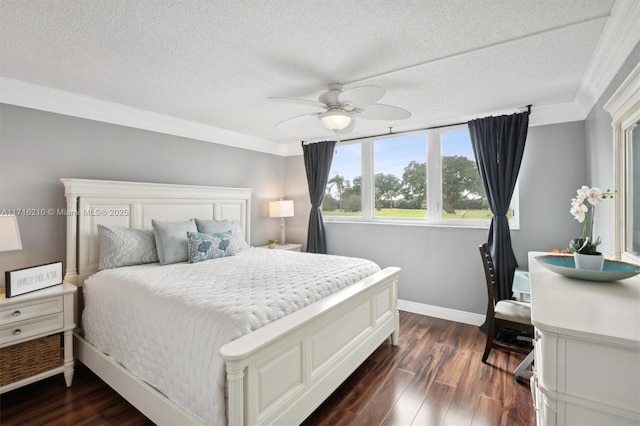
{"points": [[26, 280]]}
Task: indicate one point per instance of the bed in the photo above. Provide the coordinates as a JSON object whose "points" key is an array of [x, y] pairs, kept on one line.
{"points": [[276, 373]]}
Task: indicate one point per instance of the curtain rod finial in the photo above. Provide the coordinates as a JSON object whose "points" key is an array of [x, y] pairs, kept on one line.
{"points": [[526, 108]]}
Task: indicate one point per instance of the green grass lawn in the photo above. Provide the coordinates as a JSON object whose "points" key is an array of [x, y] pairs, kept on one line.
{"points": [[415, 214]]}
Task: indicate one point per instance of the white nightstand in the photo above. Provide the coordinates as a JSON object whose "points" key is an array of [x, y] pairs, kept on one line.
{"points": [[288, 246], [33, 322]]}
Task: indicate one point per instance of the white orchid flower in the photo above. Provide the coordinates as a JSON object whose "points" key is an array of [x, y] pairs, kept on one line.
{"points": [[594, 196], [583, 192], [578, 212]]}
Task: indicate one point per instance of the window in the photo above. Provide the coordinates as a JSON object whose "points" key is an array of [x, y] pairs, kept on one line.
{"points": [[344, 186], [625, 113], [629, 194], [633, 201], [399, 177], [428, 178], [463, 196]]}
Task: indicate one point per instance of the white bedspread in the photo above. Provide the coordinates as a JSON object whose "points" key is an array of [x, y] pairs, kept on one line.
{"points": [[166, 324]]}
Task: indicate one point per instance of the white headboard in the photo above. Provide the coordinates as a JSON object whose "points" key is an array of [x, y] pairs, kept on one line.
{"points": [[133, 205]]}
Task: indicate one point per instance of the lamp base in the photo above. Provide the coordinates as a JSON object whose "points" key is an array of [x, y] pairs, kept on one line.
{"points": [[282, 233]]}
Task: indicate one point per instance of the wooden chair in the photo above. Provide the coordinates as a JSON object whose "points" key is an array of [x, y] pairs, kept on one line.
{"points": [[507, 317]]}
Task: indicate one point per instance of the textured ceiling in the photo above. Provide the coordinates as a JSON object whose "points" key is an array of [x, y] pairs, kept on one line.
{"points": [[217, 62]]}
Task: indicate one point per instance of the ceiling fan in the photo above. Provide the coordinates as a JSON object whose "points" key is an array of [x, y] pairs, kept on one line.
{"points": [[339, 107]]}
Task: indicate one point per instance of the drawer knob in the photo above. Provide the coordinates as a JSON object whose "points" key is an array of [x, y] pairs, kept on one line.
{"points": [[16, 332], [16, 313]]}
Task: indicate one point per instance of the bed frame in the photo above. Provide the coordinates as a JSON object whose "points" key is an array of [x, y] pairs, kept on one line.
{"points": [[277, 374]]}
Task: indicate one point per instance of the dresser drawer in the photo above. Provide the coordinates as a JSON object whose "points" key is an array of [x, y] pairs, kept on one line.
{"points": [[604, 373], [32, 309], [27, 328]]}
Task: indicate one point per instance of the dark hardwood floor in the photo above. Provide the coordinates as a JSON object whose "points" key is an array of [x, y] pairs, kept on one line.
{"points": [[435, 377]]}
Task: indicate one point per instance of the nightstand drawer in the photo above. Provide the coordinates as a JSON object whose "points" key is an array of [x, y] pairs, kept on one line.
{"points": [[25, 329], [27, 310]]}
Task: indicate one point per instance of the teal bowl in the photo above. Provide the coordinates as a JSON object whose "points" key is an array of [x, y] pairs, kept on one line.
{"points": [[612, 270]]}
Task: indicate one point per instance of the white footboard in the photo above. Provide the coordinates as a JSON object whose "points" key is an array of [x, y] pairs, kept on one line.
{"points": [[280, 373]]}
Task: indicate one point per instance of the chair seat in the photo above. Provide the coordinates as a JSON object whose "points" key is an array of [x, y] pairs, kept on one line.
{"points": [[513, 310]]}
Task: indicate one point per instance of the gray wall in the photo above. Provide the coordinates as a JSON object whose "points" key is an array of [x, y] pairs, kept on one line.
{"points": [[38, 148], [441, 265], [600, 154]]}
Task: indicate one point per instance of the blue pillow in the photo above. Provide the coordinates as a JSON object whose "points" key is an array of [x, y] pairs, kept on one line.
{"points": [[218, 226], [209, 246], [171, 240]]}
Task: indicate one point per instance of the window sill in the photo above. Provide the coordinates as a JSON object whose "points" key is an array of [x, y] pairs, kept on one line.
{"points": [[416, 223]]}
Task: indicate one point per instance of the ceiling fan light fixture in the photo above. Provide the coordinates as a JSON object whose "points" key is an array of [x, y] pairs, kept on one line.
{"points": [[335, 120]]}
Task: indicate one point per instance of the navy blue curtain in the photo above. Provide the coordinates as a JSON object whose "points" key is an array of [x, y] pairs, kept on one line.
{"points": [[317, 162], [498, 145]]}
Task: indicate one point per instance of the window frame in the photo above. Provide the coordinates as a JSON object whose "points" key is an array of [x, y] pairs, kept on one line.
{"points": [[434, 187], [624, 108]]}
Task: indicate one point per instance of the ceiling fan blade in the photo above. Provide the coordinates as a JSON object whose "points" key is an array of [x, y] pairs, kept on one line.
{"points": [[300, 101], [363, 95], [297, 119], [384, 112]]}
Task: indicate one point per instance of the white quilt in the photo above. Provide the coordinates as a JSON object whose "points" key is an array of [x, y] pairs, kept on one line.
{"points": [[166, 324]]}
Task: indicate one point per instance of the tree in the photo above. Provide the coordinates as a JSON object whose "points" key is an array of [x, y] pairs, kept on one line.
{"points": [[329, 203], [386, 184], [356, 188], [460, 181], [352, 203], [340, 184], [414, 182], [389, 197]]}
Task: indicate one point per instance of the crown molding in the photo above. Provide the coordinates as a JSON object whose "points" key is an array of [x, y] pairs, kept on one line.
{"points": [[619, 37], [562, 112], [293, 149], [627, 95], [28, 95]]}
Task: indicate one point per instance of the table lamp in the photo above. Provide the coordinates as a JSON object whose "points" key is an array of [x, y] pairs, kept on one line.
{"points": [[9, 233], [281, 209]]}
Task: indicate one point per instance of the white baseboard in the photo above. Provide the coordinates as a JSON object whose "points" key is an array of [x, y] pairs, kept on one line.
{"points": [[442, 313]]}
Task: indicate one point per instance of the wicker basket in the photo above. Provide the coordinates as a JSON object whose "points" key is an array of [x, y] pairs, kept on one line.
{"points": [[27, 359]]}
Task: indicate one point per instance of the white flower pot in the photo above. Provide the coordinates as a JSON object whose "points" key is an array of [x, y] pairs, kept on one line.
{"points": [[593, 262]]}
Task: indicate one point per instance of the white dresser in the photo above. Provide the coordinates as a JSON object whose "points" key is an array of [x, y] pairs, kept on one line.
{"points": [[587, 350]]}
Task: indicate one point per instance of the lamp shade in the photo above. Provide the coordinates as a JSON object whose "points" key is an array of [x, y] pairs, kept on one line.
{"points": [[335, 120], [281, 208], [9, 233]]}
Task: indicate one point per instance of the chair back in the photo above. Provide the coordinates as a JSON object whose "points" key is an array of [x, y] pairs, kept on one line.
{"points": [[490, 276]]}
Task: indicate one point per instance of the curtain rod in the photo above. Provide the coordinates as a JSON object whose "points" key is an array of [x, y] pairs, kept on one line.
{"points": [[391, 132]]}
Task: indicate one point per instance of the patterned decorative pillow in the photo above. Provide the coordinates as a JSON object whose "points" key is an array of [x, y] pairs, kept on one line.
{"points": [[216, 226], [171, 240], [125, 247], [209, 246]]}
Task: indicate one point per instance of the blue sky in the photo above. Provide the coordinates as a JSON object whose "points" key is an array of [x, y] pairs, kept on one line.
{"points": [[393, 154]]}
